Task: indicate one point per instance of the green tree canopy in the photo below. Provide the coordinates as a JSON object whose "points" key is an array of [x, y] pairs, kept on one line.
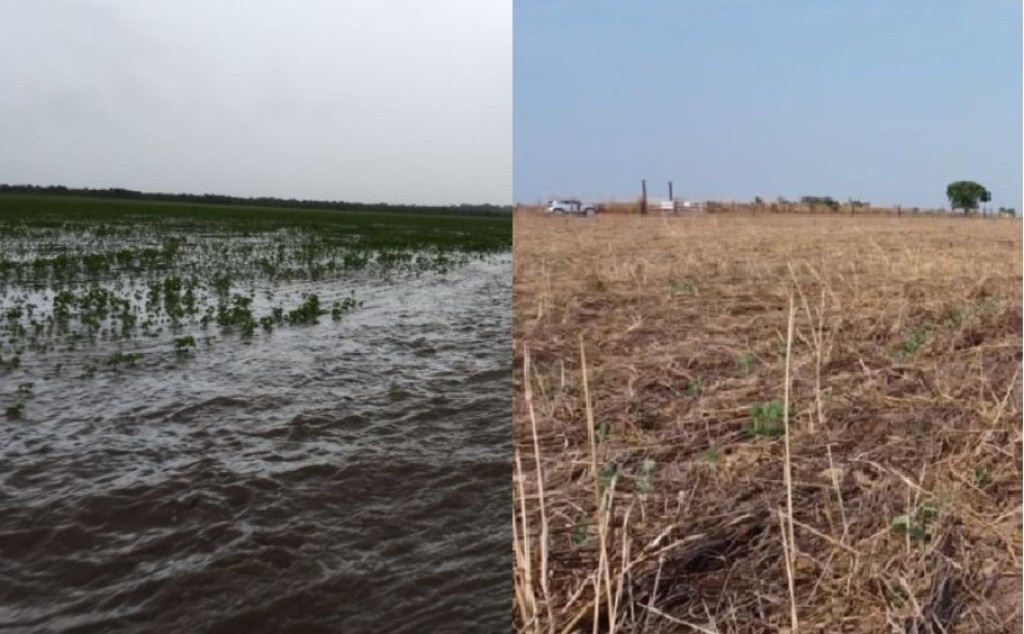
{"points": [[966, 195]]}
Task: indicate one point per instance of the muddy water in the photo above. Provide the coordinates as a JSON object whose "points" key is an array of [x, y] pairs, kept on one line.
{"points": [[343, 477]]}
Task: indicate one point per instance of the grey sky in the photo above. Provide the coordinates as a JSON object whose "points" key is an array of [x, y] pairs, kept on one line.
{"points": [[363, 100]]}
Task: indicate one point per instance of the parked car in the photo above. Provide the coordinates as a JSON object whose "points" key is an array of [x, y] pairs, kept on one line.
{"points": [[571, 206]]}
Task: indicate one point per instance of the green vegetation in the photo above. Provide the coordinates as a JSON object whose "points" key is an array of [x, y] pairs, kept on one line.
{"points": [[966, 195], [609, 472], [981, 476], [746, 362], [339, 308], [767, 419], [101, 239], [682, 287], [824, 201], [644, 480], [580, 531], [917, 524], [695, 388], [85, 282], [916, 339], [955, 317], [118, 193]]}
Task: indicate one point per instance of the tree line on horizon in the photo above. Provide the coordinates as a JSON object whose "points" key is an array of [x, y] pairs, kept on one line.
{"points": [[963, 195], [118, 193]]}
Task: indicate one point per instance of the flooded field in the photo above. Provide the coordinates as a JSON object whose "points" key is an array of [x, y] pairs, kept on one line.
{"points": [[292, 423]]}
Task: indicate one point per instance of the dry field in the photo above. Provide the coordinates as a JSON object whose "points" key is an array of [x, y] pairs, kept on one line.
{"points": [[620, 207], [767, 424]]}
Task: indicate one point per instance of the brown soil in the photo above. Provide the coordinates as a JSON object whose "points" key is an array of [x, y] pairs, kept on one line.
{"points": [[669, 511]]}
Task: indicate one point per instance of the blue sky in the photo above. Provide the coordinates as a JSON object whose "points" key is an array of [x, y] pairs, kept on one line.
{"points": [[880, 100]]}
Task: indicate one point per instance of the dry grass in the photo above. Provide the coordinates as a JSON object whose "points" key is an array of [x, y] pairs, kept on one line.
{"points": [[879, 490], [633, 207]]}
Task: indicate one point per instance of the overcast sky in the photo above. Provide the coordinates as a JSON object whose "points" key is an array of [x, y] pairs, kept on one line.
{"points": [[401, 101], [886, 101]]}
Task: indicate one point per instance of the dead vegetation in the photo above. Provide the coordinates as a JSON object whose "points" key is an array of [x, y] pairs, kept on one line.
{"points": [[661, 363], [855, 208]]}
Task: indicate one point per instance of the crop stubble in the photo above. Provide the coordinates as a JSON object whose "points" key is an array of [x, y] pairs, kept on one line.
{"points": [[670, 512]]}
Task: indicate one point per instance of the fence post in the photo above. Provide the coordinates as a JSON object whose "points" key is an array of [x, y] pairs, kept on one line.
{"points": [[643, 197]]}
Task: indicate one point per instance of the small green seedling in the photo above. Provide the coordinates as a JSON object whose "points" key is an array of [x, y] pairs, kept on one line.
{"points": [[607, 475], [694, 389], [580, 532], [709, 455], [746, 363], [916, 525], [898, 594], [988, 303], [681, 287], [916, 339], [647, 468], [955, 317], [981, 476], [768, 419]]}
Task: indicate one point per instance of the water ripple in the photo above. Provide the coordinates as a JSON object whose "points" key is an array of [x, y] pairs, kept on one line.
{"points": [[341, 477]]}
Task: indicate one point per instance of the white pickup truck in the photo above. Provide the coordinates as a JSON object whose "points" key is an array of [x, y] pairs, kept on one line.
{"points": [[571, 206]]}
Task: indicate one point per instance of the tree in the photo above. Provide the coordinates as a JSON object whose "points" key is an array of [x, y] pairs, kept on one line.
{"points": [[814, 201], [966, 195]]}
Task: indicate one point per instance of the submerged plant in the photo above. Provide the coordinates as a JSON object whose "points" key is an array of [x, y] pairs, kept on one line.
{"points": [[118, 358], [307, 312], [184, 344], [339, 308], [82, 274]]}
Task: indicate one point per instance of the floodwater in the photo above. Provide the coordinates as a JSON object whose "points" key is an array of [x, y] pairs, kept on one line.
{"points": [[350, 476]]}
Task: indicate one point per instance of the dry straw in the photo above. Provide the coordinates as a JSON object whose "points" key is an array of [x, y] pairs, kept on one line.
{"points": [[768, 423]]}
